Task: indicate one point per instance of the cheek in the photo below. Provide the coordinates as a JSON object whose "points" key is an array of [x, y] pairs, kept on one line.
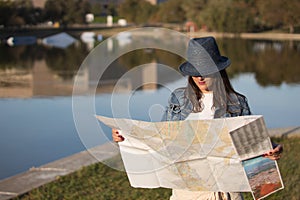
{"points": [[195, 80], [209, 82]]}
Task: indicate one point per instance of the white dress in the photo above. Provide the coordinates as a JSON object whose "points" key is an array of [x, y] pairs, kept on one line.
{"points": [[206, 113]]}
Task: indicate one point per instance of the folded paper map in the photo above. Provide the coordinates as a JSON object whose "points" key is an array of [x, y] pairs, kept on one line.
{"points": [[196, 155]]}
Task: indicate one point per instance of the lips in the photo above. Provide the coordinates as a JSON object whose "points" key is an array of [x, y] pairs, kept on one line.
{"points": [[201, 82]]}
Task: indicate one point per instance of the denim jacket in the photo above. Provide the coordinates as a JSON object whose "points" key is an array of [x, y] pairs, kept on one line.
{"points": [[180, 106]]}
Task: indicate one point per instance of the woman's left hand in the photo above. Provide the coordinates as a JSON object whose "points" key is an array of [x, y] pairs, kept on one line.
{"points": [[275, 153]]}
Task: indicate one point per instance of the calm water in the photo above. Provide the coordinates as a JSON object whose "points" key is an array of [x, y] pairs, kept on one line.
{"points": [[36, 82]]}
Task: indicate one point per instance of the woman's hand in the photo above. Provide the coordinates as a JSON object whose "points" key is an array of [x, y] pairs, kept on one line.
{"points": [[275, 153], [116, 136]]}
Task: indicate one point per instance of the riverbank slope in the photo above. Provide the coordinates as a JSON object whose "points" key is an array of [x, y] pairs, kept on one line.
{"points": [[64, 173]]}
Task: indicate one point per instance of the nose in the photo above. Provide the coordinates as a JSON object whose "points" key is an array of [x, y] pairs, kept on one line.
{"points": [[201, 78]]}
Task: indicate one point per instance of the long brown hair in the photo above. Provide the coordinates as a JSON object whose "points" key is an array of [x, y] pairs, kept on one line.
{"points": [[221, 88]]}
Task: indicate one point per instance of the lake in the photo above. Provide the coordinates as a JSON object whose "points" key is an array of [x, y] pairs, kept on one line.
{"points": [[36, 86]]}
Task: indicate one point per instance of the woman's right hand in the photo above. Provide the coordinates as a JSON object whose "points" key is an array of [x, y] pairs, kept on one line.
{"points": [[275, 153], [116, 135]]}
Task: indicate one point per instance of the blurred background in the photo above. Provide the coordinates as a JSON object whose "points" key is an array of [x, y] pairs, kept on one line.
{"points": [[44, 42]]}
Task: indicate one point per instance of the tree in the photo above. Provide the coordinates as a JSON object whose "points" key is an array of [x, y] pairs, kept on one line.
{"points": [[233, 16], [240, 17], [193, 9], [24, 8], [136, 11], [76, 11], [171, 11], [6, 10], [276, 13], [18, 13], [96, 9], [67, 11], [111, 9], [53, 10]]}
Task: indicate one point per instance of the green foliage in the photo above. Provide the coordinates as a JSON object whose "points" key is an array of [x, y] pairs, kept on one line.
{"points": [[193, 9], [276, 13], [103, 19], [67, 11], [96, 9], [232, 16], [18, 13], [171, 11], [136, 11], [6, 11], [111, 9]]}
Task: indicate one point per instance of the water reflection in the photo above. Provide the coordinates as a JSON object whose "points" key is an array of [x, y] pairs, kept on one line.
{"points": [[36, 130], [272, 62], [25, 69], [28, 71], [36, 70]]}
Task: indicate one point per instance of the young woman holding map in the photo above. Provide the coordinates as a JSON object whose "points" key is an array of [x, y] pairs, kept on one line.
{"points": [[208, 95]]}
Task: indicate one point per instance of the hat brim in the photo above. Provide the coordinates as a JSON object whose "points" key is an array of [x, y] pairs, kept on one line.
{"points": [[189, 69]]}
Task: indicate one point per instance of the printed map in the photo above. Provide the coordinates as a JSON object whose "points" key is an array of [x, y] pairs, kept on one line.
{"points": [[196, 155]]}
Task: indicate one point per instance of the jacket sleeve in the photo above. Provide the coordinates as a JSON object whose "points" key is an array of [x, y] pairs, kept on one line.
{"points": [[176, 103], [245, 109]]}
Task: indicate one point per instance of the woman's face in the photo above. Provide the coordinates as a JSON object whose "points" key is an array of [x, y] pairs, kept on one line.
{"points": [[204, 83]]}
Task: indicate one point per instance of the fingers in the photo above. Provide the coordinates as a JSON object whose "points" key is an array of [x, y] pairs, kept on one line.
{"points": [[274, 154], [116, 136], [279, 149]]}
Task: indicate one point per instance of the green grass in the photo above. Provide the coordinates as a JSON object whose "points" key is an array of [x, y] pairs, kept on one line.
{"points": [[289, 166], [103, 19], [101, 182]]}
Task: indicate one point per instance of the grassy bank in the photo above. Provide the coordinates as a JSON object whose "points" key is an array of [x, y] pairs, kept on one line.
{"points": [[101, 182]]}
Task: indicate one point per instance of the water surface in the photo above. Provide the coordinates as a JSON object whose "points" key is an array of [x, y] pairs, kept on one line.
{"points": [[36, 82]]}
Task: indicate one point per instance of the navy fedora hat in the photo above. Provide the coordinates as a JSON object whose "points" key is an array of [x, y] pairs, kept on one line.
{"points": [[203, 58]]}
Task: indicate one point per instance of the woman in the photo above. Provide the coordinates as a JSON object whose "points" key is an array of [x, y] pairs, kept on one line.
{"points": [[209, 95]]}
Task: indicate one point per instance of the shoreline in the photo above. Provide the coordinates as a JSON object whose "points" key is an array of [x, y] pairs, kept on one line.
{"points": [[106, 31], [37, 176], [258, 36]]}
